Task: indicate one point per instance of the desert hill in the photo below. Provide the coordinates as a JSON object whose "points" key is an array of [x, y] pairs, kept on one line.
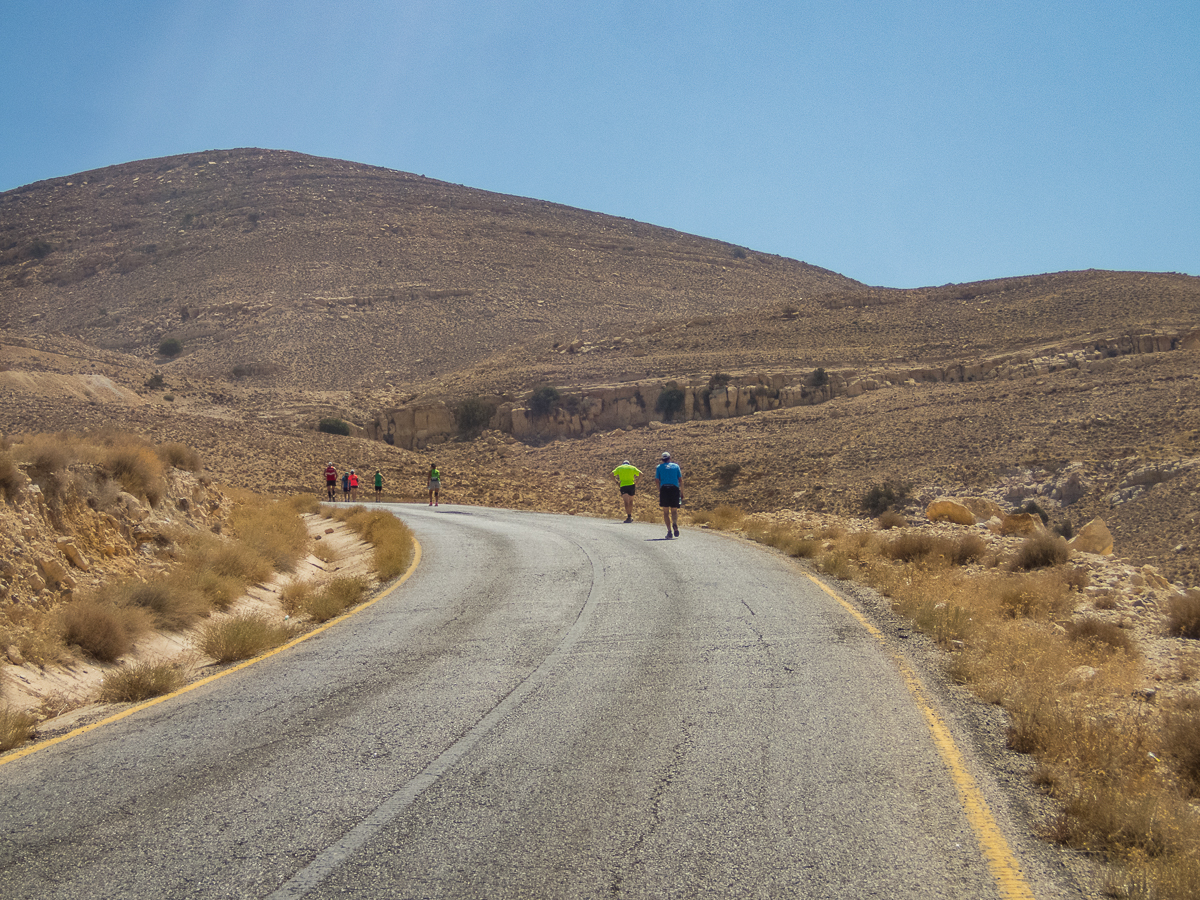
{"points": [[301, 287]]}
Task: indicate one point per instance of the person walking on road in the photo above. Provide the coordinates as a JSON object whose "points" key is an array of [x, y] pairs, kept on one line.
{"points": [[331, 482], [378, 485], [346, 486], [670, 493], [435, 484], [353, 485], [626, 475]]}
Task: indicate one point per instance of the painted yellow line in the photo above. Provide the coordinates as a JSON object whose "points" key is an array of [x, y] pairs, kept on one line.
{"points": [[1006, 872], [34, 748]]}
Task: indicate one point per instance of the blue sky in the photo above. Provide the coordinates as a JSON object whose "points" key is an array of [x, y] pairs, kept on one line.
{"points": [[900, 143]]}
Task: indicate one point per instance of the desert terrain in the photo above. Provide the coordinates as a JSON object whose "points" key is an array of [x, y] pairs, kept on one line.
{"points": [[297, 288]]}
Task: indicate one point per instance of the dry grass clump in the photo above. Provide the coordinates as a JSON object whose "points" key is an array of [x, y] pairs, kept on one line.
{"points": [[1041, 551], [930, 549], [1183, 615], [1103, 636], [173, 603], [392, 539], [140, 681], [334, 599], [294, 595], [134, 464], [101, 630], [325, 552], [241, 637], [273, 528], [723, 518], [11, 478], [1181, 742], [180, 456], [16, 727], [891, 519]]}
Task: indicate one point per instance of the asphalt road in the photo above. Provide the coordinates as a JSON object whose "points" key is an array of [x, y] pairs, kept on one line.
{"points": [[549, 707]]}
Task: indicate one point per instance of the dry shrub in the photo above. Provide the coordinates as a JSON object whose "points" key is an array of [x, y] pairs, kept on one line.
{"points": [[101, 630], [1102, 636], [48, 454], [11, 477], [135, 465], [16, 727], [228, 559], [294, 596], [836, 565], [1041, 551], [173, 603], [325, 551], [337, 597], [140, 681], [180, 456], [1181, 742], [273, 528], [391, 538], [304, 503], [802, 547], [891, 519], [219, 591], [1183, 615], [913, 547], [723, 518], [241, 637]]}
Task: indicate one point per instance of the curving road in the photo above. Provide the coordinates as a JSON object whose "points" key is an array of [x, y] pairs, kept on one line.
{"points": [[549, 707]]}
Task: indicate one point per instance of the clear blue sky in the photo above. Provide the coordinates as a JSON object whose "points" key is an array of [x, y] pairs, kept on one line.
{"points": [[900, 143]]}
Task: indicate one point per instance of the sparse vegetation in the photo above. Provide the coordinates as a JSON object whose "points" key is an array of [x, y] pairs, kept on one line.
{"points": [[819, 378], [101, 630], [1040, 551], [882, 497], [472, 416], [242, 637], [16, 727], [332, 425], [140, 681], [726, 474], [670, 402], [544, 401], [1183, 615], [334, 599], [391, 538], [170, 346]]}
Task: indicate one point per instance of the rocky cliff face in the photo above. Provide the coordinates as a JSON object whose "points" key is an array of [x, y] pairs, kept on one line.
{"points": [[600, 408], [70, 534]]}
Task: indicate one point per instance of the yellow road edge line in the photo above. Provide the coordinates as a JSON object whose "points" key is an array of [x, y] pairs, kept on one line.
{"points": [[34, 748], [1006, 871]]}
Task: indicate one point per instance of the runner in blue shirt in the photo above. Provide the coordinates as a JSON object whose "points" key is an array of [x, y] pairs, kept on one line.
{"points": [[670, 493]]}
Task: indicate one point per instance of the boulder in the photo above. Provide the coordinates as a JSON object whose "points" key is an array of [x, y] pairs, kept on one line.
{"points": [[71, 552], [945, 510], [1022, 523], [1094, 537], [983, 508]]}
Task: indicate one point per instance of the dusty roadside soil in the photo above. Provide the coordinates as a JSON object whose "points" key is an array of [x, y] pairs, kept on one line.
{"points": [[73, 687]]}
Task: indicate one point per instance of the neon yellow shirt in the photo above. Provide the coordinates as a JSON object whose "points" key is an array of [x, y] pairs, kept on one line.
{"points": [[626, 474]]}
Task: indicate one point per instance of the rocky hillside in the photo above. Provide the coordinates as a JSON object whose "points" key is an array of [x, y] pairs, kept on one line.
{"points": [[300, 288]]}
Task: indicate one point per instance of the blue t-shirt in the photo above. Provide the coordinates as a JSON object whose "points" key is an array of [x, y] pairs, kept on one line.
{"points": [[668, 474]]}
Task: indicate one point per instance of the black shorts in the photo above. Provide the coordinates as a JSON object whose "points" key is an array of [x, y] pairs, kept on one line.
{"points": [[629, 489], [669, 495]]}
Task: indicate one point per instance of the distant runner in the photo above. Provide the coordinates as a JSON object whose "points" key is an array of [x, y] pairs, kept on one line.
{"points": [[346, 486], [353, 485], [670, 493], [435, 484], [331, 482], [378, 485], [626, 475]]}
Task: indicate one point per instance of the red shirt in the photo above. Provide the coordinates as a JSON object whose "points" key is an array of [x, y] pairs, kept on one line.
{"points": [[331, 475]]}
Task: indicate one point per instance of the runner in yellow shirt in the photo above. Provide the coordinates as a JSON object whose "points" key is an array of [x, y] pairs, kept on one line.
{"points": [[626, 474]]}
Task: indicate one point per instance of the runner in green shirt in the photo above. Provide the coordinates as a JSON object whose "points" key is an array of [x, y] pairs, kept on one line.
{"points": [[626, 474], [378, 485]]}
